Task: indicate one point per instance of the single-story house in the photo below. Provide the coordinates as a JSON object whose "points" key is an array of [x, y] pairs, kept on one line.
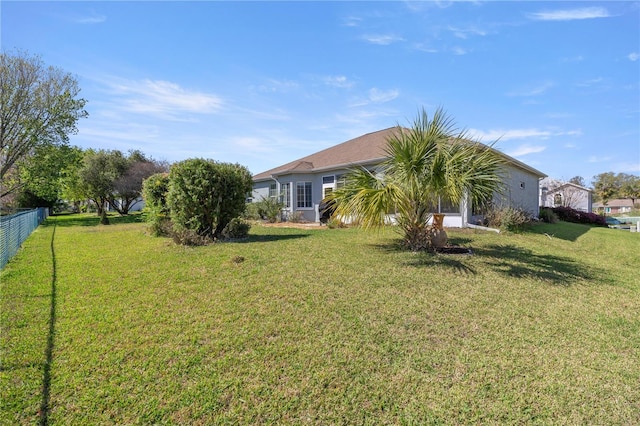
{"points": [[303, 183], [555, 193], [617, 206]]}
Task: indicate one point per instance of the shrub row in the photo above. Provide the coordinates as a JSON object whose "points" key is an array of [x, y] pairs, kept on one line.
{"points": [[567, 214]]}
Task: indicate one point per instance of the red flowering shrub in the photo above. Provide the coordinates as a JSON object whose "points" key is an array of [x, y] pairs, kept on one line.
{"points": [[568, 214]]}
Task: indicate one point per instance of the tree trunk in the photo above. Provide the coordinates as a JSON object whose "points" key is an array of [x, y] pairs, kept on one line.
{"points": [[437, 234]]}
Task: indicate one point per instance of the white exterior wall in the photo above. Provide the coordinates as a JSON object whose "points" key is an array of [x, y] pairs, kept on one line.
{"points": [[573, 197], [260, 190], [520, 191]]}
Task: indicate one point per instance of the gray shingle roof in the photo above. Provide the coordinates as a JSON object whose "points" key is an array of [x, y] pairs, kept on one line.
{"points": [[369, 148], [366, 149]]}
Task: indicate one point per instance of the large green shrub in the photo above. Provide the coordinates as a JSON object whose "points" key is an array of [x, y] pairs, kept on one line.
{"points": [[154, 191], [204, 195]]}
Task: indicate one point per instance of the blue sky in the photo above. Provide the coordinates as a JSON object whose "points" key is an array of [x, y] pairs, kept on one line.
{"points": [[264, 83]]}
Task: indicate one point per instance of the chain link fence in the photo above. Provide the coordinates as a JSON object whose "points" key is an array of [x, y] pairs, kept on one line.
{"points": [[14, 229]]}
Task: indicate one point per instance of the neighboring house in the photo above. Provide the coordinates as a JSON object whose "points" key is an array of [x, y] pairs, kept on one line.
{"points": [[138, 205], [555, 193], [618, 206], [302, 184]]}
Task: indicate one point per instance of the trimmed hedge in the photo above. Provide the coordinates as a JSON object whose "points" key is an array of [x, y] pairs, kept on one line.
{"points": [[567, 214], [204, 195]]}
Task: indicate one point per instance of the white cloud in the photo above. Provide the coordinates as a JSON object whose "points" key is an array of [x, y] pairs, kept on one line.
{"points": [[94, 18], [510, 134], [339, 81], [423, 47], [536, 90], [578, 58], [382, 39], [526, 149], [465, 33], [273, 85], [634, 56], [253, 144], [571, 14], [376, 96], [380, 96], [590, 82], [459, 51], [163, 98], [596, 159], [352, 21], [627, 167], [123, 132], [505, 135]]}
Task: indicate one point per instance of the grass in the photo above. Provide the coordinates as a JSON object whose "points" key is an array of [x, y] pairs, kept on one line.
{"points": [[105, 324]]}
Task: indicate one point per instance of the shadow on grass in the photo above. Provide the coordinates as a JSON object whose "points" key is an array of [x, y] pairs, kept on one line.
{"points": [[563, 230], [517, 262], [508, 260], [456, 262], [81, 219], [43, 413], [268, 238]]}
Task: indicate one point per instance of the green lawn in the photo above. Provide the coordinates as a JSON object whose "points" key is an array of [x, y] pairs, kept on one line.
{"points": [[107, 325]]}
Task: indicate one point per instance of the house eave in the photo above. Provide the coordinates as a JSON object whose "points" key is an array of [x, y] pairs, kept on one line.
{"points": [[287, 172]]}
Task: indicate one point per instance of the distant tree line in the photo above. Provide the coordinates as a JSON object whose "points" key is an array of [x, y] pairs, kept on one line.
{"points": [[609, 186], [62, 176]]}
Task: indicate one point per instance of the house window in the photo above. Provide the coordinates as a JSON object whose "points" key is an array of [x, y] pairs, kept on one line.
{"points": [[285, 194], [303, 195], [447, 206], [273, 190], [328, 185], [557, 199], [521, 185]]}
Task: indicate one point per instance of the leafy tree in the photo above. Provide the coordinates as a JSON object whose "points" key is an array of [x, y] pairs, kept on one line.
{"points": [[44, 172], [578, 180], [630, 188], [610, 185], [428, 162], [204, 195], [127, 188], [605, 186], [39, 106], [97, 176], [154, 191]]}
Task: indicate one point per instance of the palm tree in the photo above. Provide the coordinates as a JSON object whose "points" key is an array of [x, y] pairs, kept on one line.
{"points": [[430, 162]]}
